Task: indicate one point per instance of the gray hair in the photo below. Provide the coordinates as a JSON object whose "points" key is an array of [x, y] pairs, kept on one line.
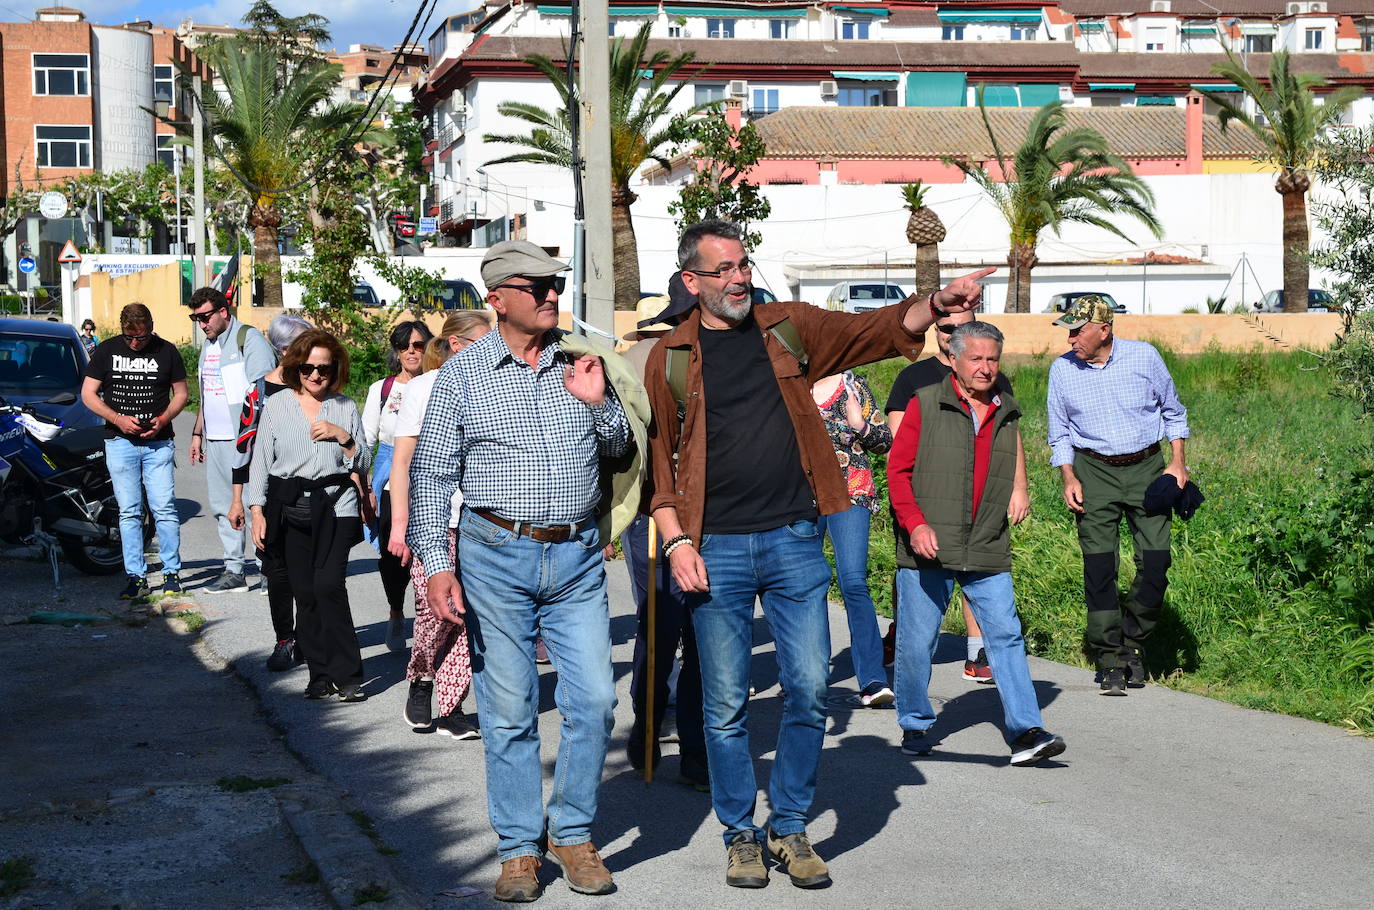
{"points": [[959, 337], [691, 239], [285, 329]]}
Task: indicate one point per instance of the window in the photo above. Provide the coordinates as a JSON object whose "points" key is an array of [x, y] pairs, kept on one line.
{"points": [[677, 31], [781, 28], [1314, 39], [720, 28], [61, 74], [1367, 40], [765, 102], [166, 152], [851, 29], [164, 83], [1022, 33], [952, 33], [705, 94], [867, 96], [1155, 38], [63, 146], [1259, 44]]}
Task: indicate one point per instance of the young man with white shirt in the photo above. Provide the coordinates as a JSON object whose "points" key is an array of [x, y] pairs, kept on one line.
{"points": [[232, 360]]}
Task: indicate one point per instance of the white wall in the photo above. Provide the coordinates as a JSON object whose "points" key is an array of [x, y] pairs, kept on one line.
{"points": [[123, 75]]}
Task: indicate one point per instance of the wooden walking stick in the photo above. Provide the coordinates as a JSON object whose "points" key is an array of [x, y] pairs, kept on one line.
{"points": [[650, 666]]}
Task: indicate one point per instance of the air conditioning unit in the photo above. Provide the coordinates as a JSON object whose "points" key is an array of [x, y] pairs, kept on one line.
{"points": [[737, 88], [1159, 6], [1295, 8], [1317, 7], [829, 88], [460, 104]]}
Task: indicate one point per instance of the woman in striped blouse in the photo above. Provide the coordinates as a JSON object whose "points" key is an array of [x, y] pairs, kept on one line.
{"points": [[305, 505]]}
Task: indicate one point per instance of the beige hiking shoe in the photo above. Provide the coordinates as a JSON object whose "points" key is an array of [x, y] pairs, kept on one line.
{"points": [[519, 883], [795, 856], [744, 866], [583, 868]]}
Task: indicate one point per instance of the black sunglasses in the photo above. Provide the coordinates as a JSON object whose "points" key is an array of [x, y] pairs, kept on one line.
{"points": [[132, 338], [945, 328], [413, 346], [325, 370], [203, 318], [539, 289]]}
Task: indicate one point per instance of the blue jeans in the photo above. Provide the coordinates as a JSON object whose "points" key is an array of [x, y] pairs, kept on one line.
{"points": [[924, 595], [849, 538], [786, 569], [381, 473], [135, 471], [515, 588]]}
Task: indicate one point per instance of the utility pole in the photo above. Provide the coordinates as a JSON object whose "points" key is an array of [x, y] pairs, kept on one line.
{"points": [[199, 278], [595, 102]]}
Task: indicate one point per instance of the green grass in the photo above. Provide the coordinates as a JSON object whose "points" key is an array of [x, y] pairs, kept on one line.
{"points": [[241, 784], [1271, 590], [16, 874]]}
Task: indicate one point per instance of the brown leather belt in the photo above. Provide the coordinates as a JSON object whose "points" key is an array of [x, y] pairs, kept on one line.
{"points": [[556, 534], [1121, 461]]}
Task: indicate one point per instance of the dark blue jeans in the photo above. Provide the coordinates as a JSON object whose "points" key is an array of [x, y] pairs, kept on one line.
{"points": [[849, 538], [786, 569]]}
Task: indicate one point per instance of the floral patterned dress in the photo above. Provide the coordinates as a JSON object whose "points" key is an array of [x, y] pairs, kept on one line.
{"points": [[852, 447]]}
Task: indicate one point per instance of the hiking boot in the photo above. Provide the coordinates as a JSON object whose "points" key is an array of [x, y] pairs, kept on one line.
{"points": [[319, 689], [1035, 745], [283, 656], [1113, 681], [396, 633], [419, 710], [541, 652], [583, 868], [457, 725], [876, 695], [890, 645], [795, 856], [914, 742], [228, 583], [744, 866], [978, 670], [136, 589], [352, 694], [1135, 668], [519, 882], [171, 583]]}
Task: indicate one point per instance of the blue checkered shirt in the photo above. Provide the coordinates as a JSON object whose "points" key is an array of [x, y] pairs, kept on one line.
{"points": [[513, 439], [1125, 405]]}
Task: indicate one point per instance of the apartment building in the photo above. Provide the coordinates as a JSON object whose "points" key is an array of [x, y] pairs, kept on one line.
{"points": [[365, 66]]}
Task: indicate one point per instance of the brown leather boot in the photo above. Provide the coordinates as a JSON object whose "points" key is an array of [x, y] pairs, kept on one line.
{"points": [[583, 868], [518, 883]]}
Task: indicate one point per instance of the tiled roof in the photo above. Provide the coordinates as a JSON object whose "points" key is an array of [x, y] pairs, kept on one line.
{"points": [[913, 16], [849, 133], [1196, 67], [1221, 9]]}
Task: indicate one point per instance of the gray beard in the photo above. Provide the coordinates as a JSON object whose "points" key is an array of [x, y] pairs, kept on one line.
{"points": [[721, 307]]}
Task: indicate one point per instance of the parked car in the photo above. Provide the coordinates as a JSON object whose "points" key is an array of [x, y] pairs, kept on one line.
{"points": [[40, 360], [364, 294], [862, 296], [1318, 301], [1061, 302], [460, 295]]}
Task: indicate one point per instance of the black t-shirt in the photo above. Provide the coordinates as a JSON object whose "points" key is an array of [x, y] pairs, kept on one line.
{"points": [[923, 373], [754, 476], [136, 383]]}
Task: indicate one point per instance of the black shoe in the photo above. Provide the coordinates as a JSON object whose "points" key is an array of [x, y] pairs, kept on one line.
{"points": [[1035, 745], [319, 689], [744, 866], [228, 583], [456, 725], [419, 710], [136, 589], [171, 583], [352, 694], [1135, 668], [914, 742], [693, 772], [1113, 681], [283, 656]]}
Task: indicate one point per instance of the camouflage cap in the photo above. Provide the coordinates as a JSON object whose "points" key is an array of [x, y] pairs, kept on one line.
{"points": [[1086, 309]]}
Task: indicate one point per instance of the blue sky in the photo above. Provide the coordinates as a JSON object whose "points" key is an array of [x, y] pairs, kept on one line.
{"points": [[381, 22]]}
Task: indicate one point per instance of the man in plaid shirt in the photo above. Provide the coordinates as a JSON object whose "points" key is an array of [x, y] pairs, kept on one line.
{"points": [[1110, 402], [520, 426]]}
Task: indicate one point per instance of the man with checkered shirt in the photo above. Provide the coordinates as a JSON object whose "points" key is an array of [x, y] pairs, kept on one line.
{"points": [[520, 424]]}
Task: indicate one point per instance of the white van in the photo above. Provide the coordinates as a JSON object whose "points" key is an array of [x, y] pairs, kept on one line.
{"points": [[862, 296]]}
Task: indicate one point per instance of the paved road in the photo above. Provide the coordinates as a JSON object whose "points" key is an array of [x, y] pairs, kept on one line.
{"points": [[1162, 798]]}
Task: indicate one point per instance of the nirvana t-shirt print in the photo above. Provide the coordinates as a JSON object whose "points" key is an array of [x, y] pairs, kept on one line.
{"points": [[136, 383]]}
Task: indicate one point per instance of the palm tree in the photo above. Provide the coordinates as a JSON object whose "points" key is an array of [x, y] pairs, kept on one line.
{"points": [[269, 124], [1290, 123], [1058, 175], [925, 229], [635, 135]]}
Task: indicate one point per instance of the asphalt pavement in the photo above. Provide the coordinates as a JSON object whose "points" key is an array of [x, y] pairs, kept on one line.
{"points": [[1162, 798]]}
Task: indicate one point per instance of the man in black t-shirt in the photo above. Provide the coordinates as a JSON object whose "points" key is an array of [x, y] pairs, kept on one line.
{"points": [[137, 382], [911, 379]]}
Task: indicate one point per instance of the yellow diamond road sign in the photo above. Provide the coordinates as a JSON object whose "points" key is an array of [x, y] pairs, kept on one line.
{"points": [[69, 253]]}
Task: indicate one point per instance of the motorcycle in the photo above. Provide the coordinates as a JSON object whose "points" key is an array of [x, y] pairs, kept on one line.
{"points": [[55, 490]]}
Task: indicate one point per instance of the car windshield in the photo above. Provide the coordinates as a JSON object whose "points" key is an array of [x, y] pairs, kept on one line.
{"points": [[38, 364], [459, 295], [874, 292], [1318, 296]]}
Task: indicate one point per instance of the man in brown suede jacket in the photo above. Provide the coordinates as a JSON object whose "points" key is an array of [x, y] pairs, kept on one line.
{"points": [[739, 481]]}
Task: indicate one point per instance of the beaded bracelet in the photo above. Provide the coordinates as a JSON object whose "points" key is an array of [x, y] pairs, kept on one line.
{"points": [[675, 542]]}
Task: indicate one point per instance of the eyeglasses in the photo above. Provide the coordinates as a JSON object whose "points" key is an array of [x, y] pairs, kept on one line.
{"points": [[413, 346], [744, 268], [945, 328], [326, 370], [539, 289], [203, 318], [132, 338]]}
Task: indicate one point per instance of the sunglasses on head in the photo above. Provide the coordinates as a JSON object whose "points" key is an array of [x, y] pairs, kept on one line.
{"points": [[203, 318], [539, 287], [326, 370]]}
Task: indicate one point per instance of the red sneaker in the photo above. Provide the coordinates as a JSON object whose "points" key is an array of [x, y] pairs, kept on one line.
{"points": [[890, 645], [977, 670]]}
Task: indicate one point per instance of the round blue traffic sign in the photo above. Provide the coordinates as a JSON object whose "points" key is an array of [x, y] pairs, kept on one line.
{"points": [[27, 265]]}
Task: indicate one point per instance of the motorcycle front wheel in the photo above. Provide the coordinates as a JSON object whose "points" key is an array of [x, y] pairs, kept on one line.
{"points": [[104, 556]]}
